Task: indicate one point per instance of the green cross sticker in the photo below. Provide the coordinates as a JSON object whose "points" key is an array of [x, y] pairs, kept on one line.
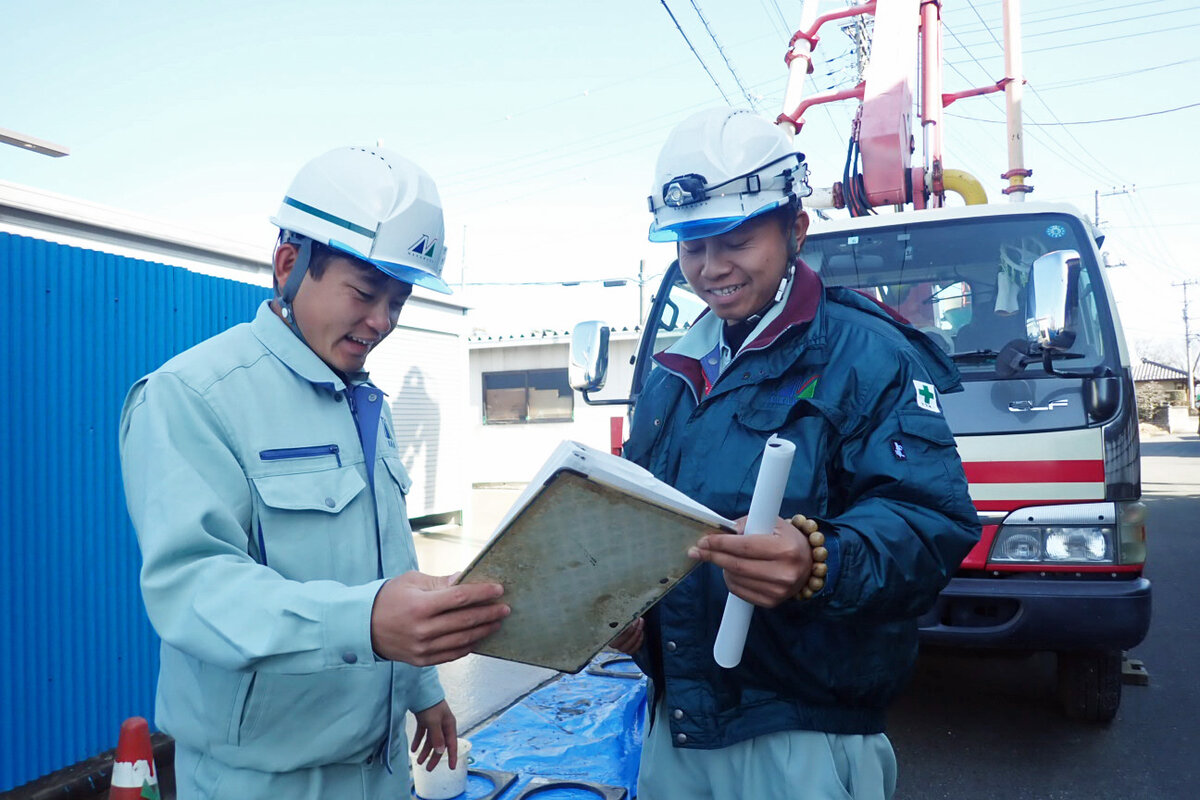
{"points": [[926, 397]]}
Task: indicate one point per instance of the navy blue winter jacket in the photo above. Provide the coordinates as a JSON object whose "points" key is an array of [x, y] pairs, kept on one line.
{"points": [[853, 389]]}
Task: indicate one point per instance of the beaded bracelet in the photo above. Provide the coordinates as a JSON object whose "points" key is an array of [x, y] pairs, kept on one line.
{"points": [[816, 540]]}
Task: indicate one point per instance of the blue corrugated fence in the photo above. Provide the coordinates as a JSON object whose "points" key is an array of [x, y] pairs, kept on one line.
{"points": [[80, 326]]}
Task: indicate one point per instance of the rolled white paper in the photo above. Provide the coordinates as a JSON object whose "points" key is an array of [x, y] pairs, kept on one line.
{"points": [[764, 510]]}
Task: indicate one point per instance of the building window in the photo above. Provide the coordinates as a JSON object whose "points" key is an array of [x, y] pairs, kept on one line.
{"points": [[533, 395]]}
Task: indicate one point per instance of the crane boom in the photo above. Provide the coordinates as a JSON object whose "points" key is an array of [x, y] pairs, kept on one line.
{"points": [[907, 33]]}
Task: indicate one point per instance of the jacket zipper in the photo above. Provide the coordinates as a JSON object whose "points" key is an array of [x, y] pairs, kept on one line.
{"points": [[302, 452]]}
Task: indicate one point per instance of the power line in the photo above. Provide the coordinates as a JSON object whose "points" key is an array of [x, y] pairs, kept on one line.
{"points": [[1156, 242], [480, 180], [725, 58], [1035, 19], [589, 92], [1140, 188], [1074, 28], [777, 22], [1035, 92], [1096, 41], [1071, 156], [1042, 100], [1149, 243], [787, 28], [1049, 142], [1083, 121], [1167, 185], [1063, 125], [1156, 225], [693, 49], [1070, 84], [964, 77], [986, 27]]}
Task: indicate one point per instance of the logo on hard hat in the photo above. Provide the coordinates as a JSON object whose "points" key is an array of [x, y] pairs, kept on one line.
{"points": [[424, 247]]}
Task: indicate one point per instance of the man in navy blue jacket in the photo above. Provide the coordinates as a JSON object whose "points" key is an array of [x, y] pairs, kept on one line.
{"points": [[876, 476]]}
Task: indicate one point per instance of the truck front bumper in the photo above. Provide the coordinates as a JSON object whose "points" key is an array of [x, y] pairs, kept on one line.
{"points": [[1039, 614]]}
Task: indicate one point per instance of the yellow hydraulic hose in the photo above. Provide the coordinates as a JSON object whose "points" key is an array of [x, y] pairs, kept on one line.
{"points": [[965, 186]]}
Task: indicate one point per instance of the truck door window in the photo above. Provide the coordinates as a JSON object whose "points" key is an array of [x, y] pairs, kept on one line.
{"points": [[681, 309]]}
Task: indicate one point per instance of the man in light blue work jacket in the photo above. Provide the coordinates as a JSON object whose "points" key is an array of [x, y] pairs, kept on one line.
{"points": [[263, 479]]}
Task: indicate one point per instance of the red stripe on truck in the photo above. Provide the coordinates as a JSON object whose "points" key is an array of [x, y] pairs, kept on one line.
{"points": [[1089, 471]]}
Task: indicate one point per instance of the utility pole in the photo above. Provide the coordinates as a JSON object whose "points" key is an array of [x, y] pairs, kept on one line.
{"points": [[1113, 193], [1013, 95], [1187, 345], [860, 32], [641, 291], [462, 262]]}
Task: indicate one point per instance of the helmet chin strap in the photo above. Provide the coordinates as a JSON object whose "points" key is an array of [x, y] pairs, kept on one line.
{"points": [[735, 333], [757, 316], [292, 287]]}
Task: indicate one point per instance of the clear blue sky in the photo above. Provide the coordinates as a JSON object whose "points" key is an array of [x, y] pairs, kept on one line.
{"points": [[541, 120]]}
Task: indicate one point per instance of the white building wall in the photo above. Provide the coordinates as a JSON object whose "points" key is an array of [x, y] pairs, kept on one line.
{"points": [[512, 453], [422, 367]]}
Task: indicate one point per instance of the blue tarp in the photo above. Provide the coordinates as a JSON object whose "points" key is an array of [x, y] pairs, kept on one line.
{"points": [[583, 727]]}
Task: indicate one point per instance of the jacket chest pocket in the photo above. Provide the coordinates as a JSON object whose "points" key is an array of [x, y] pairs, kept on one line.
{"points": [[301, 516], [811, 428]]}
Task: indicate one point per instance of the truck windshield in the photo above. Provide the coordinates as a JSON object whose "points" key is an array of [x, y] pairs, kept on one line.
{"points": [[962, 282]]}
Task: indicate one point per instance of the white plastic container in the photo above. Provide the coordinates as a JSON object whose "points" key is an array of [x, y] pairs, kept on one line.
{"points": [[443, 783]]}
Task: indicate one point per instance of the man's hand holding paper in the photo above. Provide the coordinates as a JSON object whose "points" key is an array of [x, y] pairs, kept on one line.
{"points": [[762, 570]]}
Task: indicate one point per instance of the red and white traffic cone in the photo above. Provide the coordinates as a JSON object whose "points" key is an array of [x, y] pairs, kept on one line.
{"points": [[134, 776]]}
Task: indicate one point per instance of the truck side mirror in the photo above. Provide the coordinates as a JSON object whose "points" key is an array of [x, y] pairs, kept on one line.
{"points": [[1051, 301], [589, 356]]}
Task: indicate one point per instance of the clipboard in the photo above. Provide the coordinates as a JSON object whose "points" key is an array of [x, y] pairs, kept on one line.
{"points": [[583, 554]]}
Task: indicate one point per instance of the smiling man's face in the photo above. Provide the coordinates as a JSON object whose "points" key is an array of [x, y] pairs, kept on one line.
{"points": [[347, 311], [738, 272]]}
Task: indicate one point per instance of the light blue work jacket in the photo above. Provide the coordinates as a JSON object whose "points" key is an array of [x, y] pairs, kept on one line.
{"points": [[265, 538]]}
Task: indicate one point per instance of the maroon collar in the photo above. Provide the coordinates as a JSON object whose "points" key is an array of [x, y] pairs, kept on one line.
{"points": [[799, 308]]}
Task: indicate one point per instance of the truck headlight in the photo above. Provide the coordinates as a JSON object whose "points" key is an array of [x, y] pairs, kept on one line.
{"points": [[1079, 544], [1083, 533], [1022, 546], [1060, 544]]}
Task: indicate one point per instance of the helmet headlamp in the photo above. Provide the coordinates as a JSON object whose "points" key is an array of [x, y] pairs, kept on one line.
{"points": [[684, 190]]}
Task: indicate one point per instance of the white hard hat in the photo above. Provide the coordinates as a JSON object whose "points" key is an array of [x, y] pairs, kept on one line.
{"points": [[374, 205], [719, 168]]}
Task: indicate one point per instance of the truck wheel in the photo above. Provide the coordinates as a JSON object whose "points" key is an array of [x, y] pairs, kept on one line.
{"points": [[1089, 685]]}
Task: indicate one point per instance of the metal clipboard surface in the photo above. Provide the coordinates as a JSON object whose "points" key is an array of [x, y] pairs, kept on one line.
{"points": [[579, 563]]}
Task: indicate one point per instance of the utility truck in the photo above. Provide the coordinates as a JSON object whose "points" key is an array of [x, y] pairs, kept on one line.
{"points": [[1016, 294]]}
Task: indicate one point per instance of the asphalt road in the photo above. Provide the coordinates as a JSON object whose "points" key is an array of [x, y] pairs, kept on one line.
{"points": [[988, 727]]}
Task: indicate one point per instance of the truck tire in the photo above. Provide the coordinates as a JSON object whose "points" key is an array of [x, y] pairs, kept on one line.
{"points": [[1089, 685]]}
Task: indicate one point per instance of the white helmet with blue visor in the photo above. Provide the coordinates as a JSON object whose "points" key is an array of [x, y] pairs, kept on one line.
{"points": [[719, 168], [371, 204]]}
